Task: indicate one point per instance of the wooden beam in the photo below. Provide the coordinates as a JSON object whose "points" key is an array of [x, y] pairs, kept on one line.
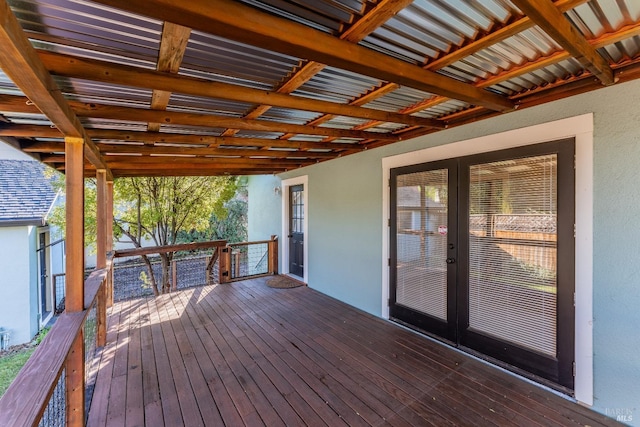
{"points": [[496, 36], [205, 162], [92, 69], [557, 26], [34, 131], [465, 50], [213, 121], [384, 10], [74, 170], [21, 64], [172, 48], [111, 149], [232, 20]]}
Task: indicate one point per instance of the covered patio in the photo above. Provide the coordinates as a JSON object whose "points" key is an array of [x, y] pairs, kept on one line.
{"points": [[247, 354]]}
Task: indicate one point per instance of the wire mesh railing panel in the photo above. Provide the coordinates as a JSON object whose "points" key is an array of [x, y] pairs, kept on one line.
{"points": [[60, 289], [91, 361], [132, 279], [55, 413], [249, 260]]}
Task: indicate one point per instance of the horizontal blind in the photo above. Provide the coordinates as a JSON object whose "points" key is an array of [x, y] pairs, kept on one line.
{"points": [[421, 269], [512, 251]]}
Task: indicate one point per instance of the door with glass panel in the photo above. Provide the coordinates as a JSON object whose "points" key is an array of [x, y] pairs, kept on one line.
{"points": [[508, 254], [423, 243]]}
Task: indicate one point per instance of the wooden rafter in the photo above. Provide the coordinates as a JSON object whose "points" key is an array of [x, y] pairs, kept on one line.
{"points": [[466, 49], [172, 48], [354, 33], [34, 131], [21, 63], [75, 67], [558, 27], [115, 149], [229, 19], [100, 111]]}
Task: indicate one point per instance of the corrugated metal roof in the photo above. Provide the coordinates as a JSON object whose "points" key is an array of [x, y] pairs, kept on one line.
{"points": [[421, 33]]}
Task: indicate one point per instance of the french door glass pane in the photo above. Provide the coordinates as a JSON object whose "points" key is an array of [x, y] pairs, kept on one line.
{"points": [[512, 251], [421, 283]]}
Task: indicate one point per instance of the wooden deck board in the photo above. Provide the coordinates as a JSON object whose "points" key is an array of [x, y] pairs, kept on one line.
{"points": [[247, 354]]}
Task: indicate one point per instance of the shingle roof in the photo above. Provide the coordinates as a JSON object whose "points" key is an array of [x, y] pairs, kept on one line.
{"points": [[25, 193]]}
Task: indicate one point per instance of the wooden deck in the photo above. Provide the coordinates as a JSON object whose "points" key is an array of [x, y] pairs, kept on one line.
{"points": [[247, 354]]}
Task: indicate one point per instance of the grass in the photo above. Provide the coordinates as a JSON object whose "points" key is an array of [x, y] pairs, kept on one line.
{"points": [[11, 364], [14, 360]]}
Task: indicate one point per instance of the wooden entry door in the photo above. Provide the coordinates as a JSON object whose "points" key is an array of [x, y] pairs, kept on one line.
{"points": [[482, 256], [296, 230]]}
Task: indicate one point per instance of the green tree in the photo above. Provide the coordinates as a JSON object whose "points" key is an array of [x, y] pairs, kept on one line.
{"points": [[158, 209], [232, 226]]}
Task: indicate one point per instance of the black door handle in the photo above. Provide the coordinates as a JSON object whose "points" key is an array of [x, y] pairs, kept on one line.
{"points": [[451, 260]]}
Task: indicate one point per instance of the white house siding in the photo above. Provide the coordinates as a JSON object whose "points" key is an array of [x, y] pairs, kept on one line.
{"points": [[345, 216], [18, 267]]}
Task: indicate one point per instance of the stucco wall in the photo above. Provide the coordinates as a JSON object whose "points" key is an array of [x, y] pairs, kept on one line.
{"points": [[16, 287], [345, 213]]}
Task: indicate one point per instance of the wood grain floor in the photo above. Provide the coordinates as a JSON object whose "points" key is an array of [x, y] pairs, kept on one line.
{"points": [[246, 354]]}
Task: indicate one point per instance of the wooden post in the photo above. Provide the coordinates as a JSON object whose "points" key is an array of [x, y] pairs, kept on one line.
{"points": [[174, 275], [74, 169], [225, 263], [74, 376], [101, 315], [273, 255], [236, 265], [74, 302], [101, 218], [109, 238]]}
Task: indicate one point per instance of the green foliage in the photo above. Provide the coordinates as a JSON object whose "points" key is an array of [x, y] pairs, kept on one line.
{"points": [[231, 227], [159, 208], [57, 215]]}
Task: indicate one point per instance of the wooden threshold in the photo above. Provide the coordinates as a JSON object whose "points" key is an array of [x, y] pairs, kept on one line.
{"points": [[246, 354]]}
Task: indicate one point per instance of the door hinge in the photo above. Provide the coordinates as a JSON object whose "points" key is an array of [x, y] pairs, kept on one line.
{"points": [[574, 369], [388, 302], [388, 262], [388, 222], [574, 231], [574, 299]]}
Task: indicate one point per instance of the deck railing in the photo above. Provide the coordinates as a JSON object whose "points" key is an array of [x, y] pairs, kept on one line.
{"points": [[239, 261], [59, 378], [56, 382]]}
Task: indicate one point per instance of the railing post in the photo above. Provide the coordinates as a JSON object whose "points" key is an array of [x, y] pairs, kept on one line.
{"points": [[74, 372], [236, 264], [225, 263], [174, 275], [101, 314], [273, 255]]}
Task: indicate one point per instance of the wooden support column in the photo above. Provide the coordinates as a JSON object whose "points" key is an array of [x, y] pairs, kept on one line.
{"points": [[74, 169], [74, 165], [109, 238], [101, 218]]}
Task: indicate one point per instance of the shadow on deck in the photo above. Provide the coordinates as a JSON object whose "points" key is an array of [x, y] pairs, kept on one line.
{"points": [[247, 354]]}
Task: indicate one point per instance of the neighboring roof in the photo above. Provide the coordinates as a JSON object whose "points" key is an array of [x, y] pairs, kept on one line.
{"points": [[219, 87], [26, 195]]}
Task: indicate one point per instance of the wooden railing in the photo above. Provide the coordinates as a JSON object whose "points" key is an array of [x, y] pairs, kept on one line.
{"points": [[239, 261], [50, 388]]}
